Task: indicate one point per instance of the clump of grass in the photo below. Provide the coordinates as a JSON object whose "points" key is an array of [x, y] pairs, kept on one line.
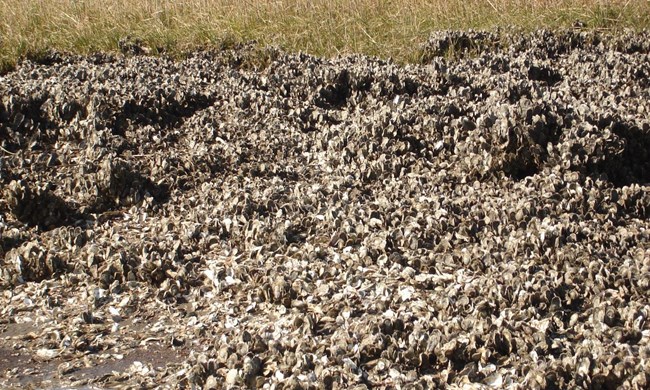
{"points": [[386, 28]]}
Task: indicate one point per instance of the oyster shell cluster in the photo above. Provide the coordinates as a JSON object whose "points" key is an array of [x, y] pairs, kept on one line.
{"points": [[257, 219]]}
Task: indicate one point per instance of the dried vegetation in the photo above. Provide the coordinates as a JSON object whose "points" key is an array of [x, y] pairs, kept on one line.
{"points": [[30, 28]]}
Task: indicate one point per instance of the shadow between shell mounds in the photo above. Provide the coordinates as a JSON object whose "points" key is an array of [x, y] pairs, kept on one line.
{"points": [[633, 165], [169, 116]]}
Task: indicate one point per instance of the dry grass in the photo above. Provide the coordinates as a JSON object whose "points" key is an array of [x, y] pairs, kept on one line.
{"points": [[388, 28]]}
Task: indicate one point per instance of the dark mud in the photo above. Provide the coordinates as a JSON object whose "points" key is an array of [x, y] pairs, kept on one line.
{"points": [[251, 218]]}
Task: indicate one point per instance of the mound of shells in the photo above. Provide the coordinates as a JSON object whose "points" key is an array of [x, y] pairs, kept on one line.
{"points": [[250, 218]]}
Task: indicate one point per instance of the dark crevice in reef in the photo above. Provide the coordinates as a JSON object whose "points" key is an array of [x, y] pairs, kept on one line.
{"points": [[25, 122], [38, 206], [543, 74], [168, 116], [632, 166]]}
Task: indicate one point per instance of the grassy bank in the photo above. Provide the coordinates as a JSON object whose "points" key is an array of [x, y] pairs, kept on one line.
{"points": [[325, 27]]}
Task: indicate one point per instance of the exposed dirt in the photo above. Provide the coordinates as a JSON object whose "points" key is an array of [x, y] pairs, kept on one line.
{"points": [[248, 217]]}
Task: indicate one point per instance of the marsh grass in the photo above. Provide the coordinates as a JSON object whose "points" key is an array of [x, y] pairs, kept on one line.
{"points": [[386, 28]]}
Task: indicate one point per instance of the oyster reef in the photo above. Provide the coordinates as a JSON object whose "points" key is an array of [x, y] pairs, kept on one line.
{"points": [[254, 218]]}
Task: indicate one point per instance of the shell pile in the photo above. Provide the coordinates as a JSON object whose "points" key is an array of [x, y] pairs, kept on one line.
{"points": [[249, 218]]}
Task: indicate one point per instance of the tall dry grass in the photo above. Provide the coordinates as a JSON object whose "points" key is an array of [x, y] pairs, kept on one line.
{"points": [[388, 28]]}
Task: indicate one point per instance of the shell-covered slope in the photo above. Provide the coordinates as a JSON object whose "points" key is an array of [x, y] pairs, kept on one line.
{"points": [[270, 218]]}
